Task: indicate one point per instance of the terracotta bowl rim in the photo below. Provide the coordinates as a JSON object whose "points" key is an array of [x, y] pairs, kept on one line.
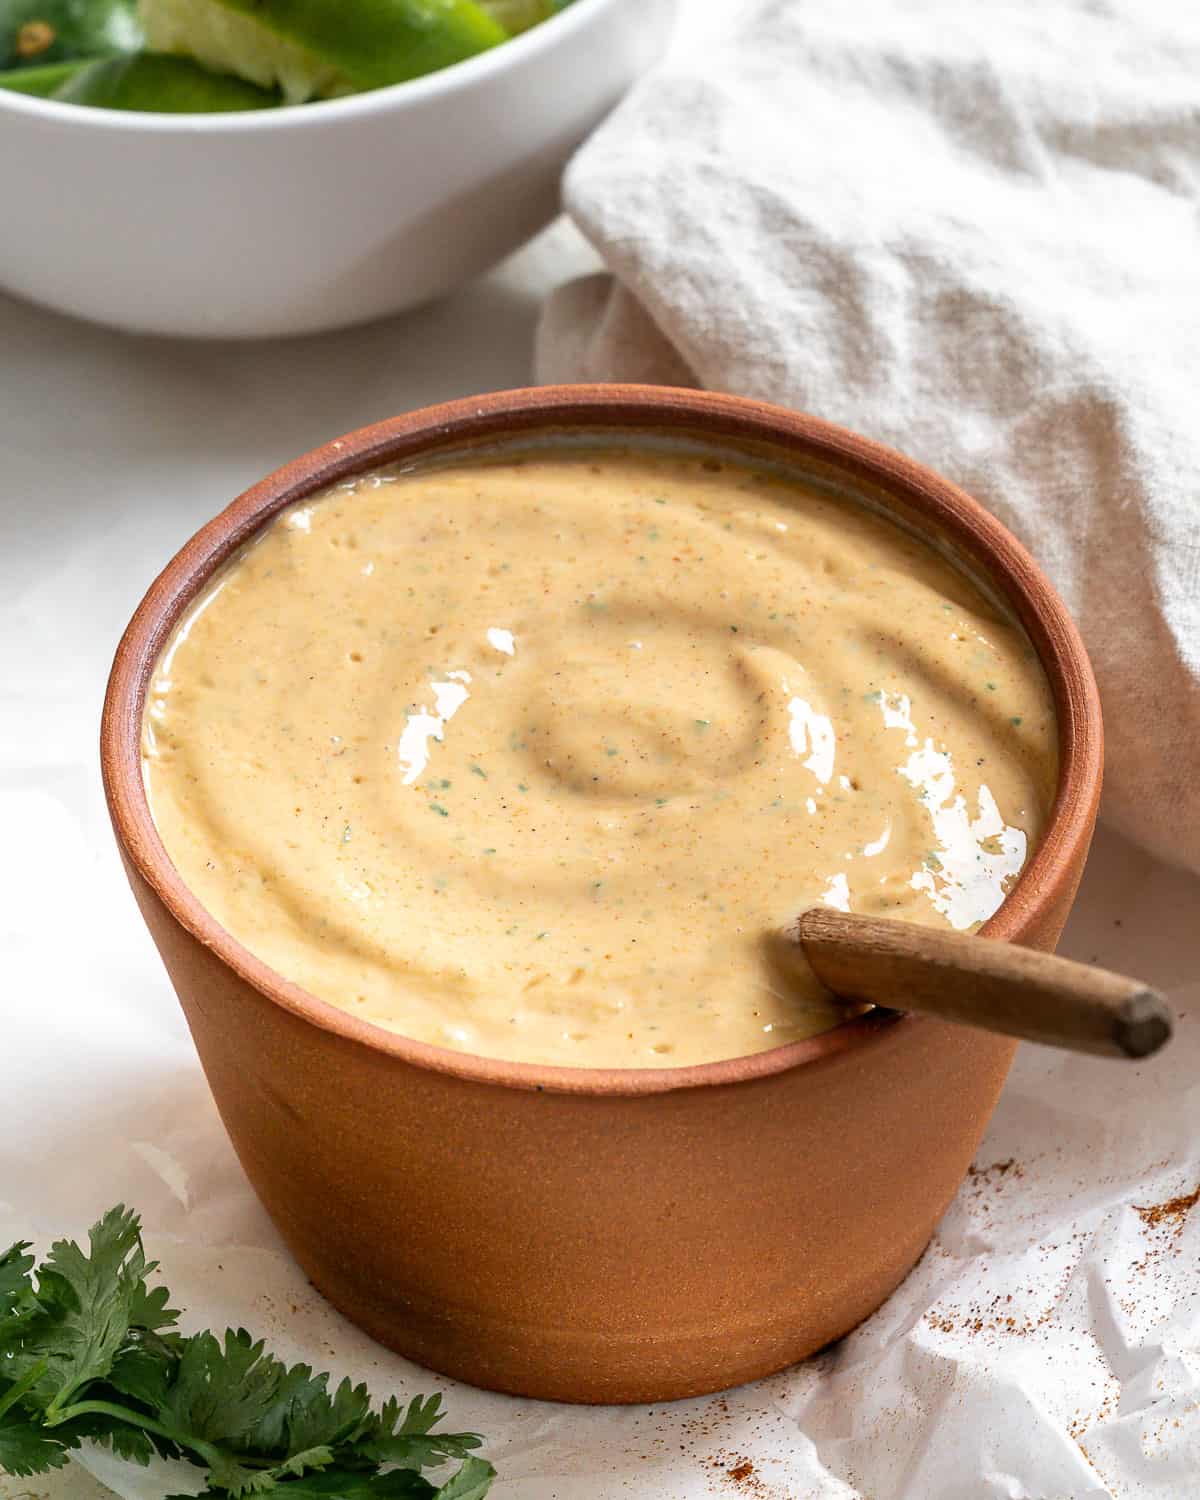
{"points": [[662, 411]]}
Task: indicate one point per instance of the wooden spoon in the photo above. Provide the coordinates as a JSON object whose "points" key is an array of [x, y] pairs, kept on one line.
{"points": [[976, 982]]}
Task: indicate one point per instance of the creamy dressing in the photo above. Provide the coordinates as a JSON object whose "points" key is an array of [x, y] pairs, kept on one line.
{"points": [[524, 756]]}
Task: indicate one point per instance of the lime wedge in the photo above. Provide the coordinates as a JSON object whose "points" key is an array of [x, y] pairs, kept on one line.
{"points": [[321, 48], [161, 85], [224, 39], [519, 15], [36, 33]]}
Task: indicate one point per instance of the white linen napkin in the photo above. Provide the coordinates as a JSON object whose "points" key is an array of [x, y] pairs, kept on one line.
{"points": [[970, 232]]}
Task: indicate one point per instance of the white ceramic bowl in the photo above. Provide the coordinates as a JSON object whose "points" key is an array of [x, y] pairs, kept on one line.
{"points": [[314, 216]]}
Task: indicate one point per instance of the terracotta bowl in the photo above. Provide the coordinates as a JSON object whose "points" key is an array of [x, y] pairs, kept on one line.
{"points": [[605, 1235]]}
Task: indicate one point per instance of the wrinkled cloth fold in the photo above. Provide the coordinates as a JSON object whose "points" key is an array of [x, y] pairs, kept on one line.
{"points": [[972, 233]]}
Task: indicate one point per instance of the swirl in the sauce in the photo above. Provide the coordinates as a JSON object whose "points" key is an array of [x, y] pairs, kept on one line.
{"points": [[525, 756]]}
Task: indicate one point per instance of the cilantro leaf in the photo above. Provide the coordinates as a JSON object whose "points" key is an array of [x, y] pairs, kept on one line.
{"points": [[89, 1350], [148, 1308], [222, 1391], [15, 1267], [86, 1307], [25, 1448], [18, 1305], [303, 1462], [313, 1417], [411, 1443], [472, 1482], [230, 1477], [142, 1374]]}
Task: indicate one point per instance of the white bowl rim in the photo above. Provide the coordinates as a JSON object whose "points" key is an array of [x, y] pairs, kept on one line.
{"points": [[458, 76]]}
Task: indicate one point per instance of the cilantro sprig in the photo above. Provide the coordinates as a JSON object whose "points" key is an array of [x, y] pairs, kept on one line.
{"points": [[88, 1350]]}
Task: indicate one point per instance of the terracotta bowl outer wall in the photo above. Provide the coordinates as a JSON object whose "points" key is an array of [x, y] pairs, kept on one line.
{"points": [[586, 1234]]}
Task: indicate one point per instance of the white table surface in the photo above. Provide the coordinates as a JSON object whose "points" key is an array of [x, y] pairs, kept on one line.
{"points": [[112, 451]]}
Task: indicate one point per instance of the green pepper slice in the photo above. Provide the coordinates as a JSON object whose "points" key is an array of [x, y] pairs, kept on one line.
{"points": [[41, 82], [155, 84]]}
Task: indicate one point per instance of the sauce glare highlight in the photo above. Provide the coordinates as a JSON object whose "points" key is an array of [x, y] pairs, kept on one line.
{"points": [[525, 755]]}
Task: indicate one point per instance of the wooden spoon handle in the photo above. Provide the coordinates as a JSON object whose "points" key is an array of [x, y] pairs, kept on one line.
{"points": [[980, 982]]}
